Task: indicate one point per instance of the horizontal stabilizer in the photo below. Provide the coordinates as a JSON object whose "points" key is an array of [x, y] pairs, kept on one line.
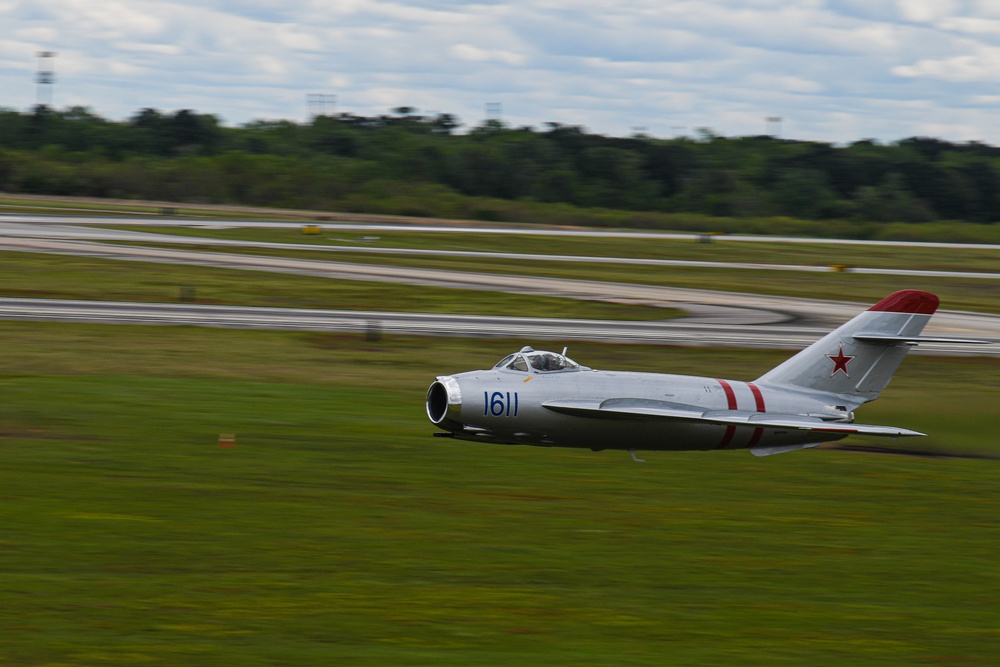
{"points": [[875, 337], [637, 408]]}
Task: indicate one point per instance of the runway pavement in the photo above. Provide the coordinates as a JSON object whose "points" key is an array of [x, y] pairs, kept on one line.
{"points": [[10, 229], [714, 318], [666, 332], [463, 228]]}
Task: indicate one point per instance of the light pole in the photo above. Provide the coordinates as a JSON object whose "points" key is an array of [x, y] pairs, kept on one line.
{"points": [[45, 78], [774, 126]]}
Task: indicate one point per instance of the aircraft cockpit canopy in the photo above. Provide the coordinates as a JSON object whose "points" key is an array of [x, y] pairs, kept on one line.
{"points": [[540, 361]]}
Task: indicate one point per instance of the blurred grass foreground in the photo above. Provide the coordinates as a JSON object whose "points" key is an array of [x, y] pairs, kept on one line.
{"points": [[335, 530]]}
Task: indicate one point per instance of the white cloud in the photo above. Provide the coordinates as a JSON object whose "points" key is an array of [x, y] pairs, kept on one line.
{"points": [[338, 82], [110, 18], [160, 49], [983, 8], [834, 69], [40, 34], [790, 84], [927, 11], [295, 39], [125, 69], [982, 65], [971, 26], [475, 54], [268, 65]]}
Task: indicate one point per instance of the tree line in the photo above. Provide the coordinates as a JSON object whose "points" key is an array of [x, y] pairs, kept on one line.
{"points": [[413, 164]]}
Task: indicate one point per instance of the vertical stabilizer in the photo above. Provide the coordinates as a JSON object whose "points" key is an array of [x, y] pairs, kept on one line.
{"points": [[856, 361]]}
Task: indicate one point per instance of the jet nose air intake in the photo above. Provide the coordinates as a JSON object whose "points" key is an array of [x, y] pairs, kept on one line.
{"points": [[444, 400]]}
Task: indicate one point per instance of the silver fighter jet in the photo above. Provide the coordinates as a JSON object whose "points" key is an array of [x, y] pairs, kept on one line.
{"points": [[534, 397]]}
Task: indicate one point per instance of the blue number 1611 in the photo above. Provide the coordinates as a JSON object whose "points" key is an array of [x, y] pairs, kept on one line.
{"points": [[500, 404]]}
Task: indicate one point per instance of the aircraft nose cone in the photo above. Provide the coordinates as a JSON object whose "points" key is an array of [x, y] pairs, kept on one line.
{"points": [[444, 400]]}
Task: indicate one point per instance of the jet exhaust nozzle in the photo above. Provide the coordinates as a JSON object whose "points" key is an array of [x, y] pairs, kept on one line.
{"points": [[444, 400]]}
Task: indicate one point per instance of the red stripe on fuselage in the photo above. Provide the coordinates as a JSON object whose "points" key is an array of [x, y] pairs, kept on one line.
{"points": [[757, 397], [731, 402], [730, 394]]}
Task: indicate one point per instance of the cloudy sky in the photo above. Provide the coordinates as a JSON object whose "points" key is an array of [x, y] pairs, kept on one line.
{"points": [[832, 70]]}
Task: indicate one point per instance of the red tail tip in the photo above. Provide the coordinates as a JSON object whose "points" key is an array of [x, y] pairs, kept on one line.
{"points": [[908, 301]]}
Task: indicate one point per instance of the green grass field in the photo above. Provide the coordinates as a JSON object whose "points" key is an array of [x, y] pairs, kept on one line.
{"points": [[337, 531]]}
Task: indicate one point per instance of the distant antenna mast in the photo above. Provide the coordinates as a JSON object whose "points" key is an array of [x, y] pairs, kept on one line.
{"points": [[317, 103], [45, 78]]}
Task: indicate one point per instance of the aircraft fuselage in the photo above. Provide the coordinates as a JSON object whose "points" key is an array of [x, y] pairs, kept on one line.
{"points": [[506, 407]]}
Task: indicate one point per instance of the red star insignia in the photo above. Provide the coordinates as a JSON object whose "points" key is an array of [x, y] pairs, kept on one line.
{"points": [[840, 362]]}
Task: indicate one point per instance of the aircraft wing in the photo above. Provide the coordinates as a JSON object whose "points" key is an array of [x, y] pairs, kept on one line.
{"points": [[632, 408]]}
